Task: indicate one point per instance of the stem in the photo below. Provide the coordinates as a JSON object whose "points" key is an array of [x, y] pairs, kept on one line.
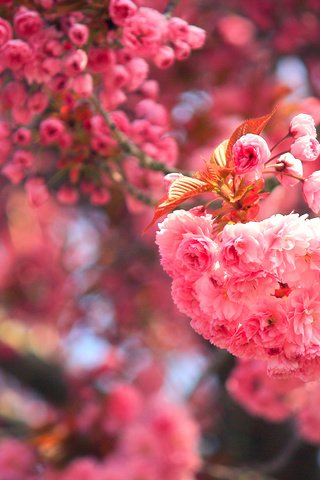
{"points": [[172, 4], [278, 462], [128, 146], [275, 156], [280, 141], [224, 472], [119, 179]]}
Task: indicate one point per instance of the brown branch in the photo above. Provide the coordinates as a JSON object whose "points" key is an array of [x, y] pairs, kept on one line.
{"points": [[172, 4], [129, 147]]}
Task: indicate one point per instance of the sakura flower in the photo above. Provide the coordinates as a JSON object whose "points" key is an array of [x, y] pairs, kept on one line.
{"points": [[289, 167], [242, 248], [27, 22], [261, 395], [51, 130], [172, 231], [306, 148], [16, 53], [78, 34], [121, 11], [301, 125], [196, 254], [145, 31], [250, 153], [5, 31]]}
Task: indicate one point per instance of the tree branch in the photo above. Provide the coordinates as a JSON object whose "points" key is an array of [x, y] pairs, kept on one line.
{"points": [[128, 146], [172, 4]]}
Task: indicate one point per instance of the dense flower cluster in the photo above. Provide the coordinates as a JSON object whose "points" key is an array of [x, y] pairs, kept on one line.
{"points": [[138, 438], [67, 83], [276, 399], [250, 287]]}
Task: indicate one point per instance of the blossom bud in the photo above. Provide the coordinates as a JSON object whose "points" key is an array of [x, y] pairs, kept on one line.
{"points": [[302, 124], [121, 10], [289, 165], [51, 130], [306, 148], [27, 22], [165, 57], [78, 34]]}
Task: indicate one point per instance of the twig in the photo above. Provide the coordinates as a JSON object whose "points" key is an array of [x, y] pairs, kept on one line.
{"points": [[172, 4], [128, 146], [119, 179], [283, 457], [223, 472]]}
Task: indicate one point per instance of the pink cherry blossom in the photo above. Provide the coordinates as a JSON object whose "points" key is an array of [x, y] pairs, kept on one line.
{"points": [[145, 31], [51, 130], [172, 231], [250, 153], [79, 34], [289, 165], [27, 22], [121, 11], [16, 54], [301, 125], [306, 148], [5, 31], [196, 254]]}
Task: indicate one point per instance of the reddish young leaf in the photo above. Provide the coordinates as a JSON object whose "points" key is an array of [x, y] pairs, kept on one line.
{"points": [[253, 125], [180, 190]]}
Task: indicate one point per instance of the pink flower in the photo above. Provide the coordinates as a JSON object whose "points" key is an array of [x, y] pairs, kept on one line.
{"points": [[68, 195], [251, 386], [144, 32], [123, 405], [301, 125], [182, 50], [311, 191], [75, 63], [5, 31], [14, 172], [121, 11], [99, 196], [138, 72], [16, 53], [27, 22], [242, 248], [78, 34], [51, 130], [172, 231], [83, 85], [196, 254], [250, 153], [196, 37], [164, 57], [289, 165], [178, 29], [37, 102], [306, 148], [304, 313], [101, 59], [37, 191], [22, 136]]}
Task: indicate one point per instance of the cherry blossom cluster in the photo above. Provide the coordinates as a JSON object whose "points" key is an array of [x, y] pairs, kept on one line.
{"points": [[68, 82], [250, 286], [154, 438], [277, 399]]}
